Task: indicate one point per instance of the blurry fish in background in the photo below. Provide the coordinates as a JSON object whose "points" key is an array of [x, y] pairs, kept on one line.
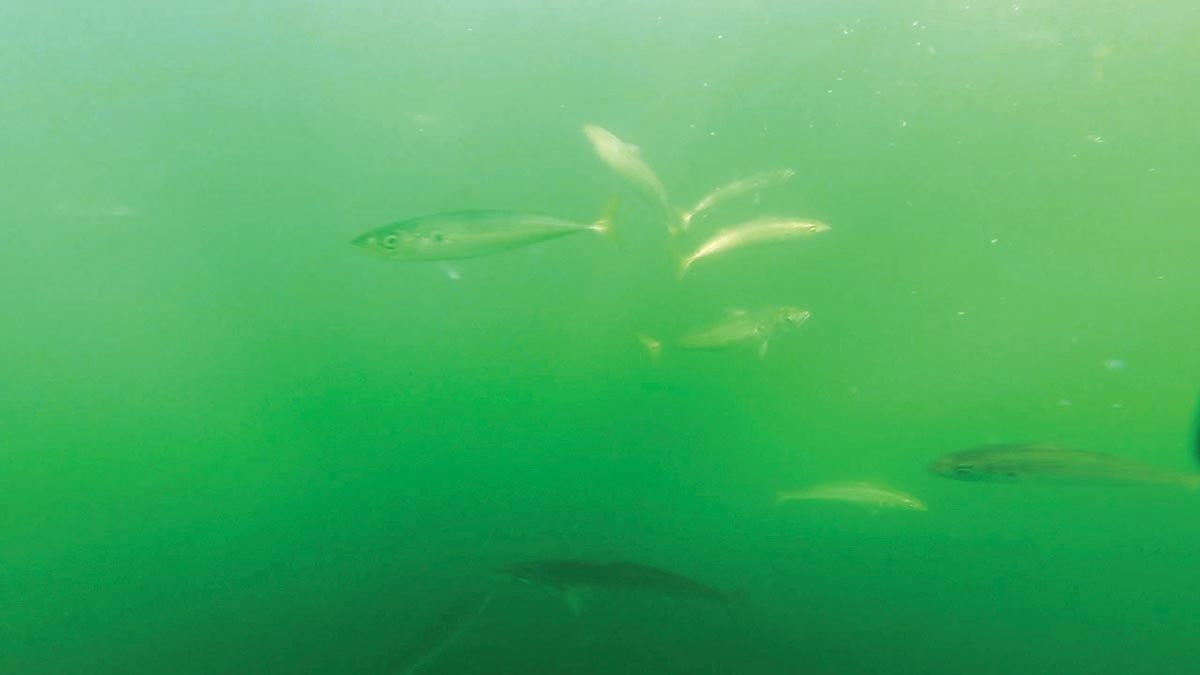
{"points": [[626, 160], [753, 233], [741, 327], [446, 629], [863, 494], [754, 183], [471, 234], [572, 576], [1050, 463]]}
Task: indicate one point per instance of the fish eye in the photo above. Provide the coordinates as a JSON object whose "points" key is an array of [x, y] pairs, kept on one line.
{"points": [[389, 241], [439, 238]]}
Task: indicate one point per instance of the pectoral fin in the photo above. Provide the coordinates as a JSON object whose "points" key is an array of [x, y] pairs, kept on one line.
{"points": [[762, 348]]}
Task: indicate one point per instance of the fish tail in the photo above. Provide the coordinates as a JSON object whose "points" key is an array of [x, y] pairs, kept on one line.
{"points": [[603, 222]]}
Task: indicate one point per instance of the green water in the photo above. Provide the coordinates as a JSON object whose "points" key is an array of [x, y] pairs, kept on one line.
{"points": [[232, 443]]}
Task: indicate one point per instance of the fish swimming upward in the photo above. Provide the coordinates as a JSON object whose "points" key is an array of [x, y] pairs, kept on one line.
{"points": [[626, 160], [753, 233], [573, 575], [754, 183], [472, 234], [1049, 463], [741, 327], [863, 494]]}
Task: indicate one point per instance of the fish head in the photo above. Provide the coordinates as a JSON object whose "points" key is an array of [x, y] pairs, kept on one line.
{"points": [[816, 228], [395, 242], [791, 317]]}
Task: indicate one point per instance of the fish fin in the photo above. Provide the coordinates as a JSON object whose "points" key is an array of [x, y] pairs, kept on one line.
{"points": [[734, 311], [762, 348], [574, 599], [652, 345], [452, 272], [603, 222]]}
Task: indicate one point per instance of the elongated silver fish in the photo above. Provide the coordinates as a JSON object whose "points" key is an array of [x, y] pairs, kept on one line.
{"points": [[864, 494], [754, 183], [1050, 463], [753, 233], [741, 327], [626, 160], [471, 234], [574, 574], [444, 631]]}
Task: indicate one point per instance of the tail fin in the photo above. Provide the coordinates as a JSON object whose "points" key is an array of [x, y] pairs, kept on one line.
{"points": [[603, 223]]}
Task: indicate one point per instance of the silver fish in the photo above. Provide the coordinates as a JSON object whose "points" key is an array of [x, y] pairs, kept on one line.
{"points": [[753, 233], [865, 494], [471, 234], [626, 160], [759, 181], [741, 327], [1049, 463]]}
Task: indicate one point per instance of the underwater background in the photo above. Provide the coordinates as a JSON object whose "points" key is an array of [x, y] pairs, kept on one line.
{"points": [[230, 442]]}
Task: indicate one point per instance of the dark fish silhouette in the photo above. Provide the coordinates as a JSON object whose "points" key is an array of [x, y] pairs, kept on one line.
{"points": [[1049, 463]]}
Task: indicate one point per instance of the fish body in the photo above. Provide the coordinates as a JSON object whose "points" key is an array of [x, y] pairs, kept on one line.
{"points": [[865, 494], [573, 574], [741, 327], [753, 233], [1049, 463], [470, 234], [444, 631], [754, 183], [626, 160]]}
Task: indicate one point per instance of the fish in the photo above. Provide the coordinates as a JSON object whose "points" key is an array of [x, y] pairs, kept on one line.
{"points": [[758, 181], [626, 160], [752, 233], [574, 575], [1051, 463], [471, 234], [865, 494], [746, 326], [444, 631]]}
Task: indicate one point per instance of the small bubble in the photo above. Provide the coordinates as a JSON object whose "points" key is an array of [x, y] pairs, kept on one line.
{"points": [[1118, 405], [1114, 364], [961, 313], [993, 241], [720, 37], [1064, 401]]}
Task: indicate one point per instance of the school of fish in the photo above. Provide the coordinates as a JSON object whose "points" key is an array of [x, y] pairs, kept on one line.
{"points": [[464, 234]]}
